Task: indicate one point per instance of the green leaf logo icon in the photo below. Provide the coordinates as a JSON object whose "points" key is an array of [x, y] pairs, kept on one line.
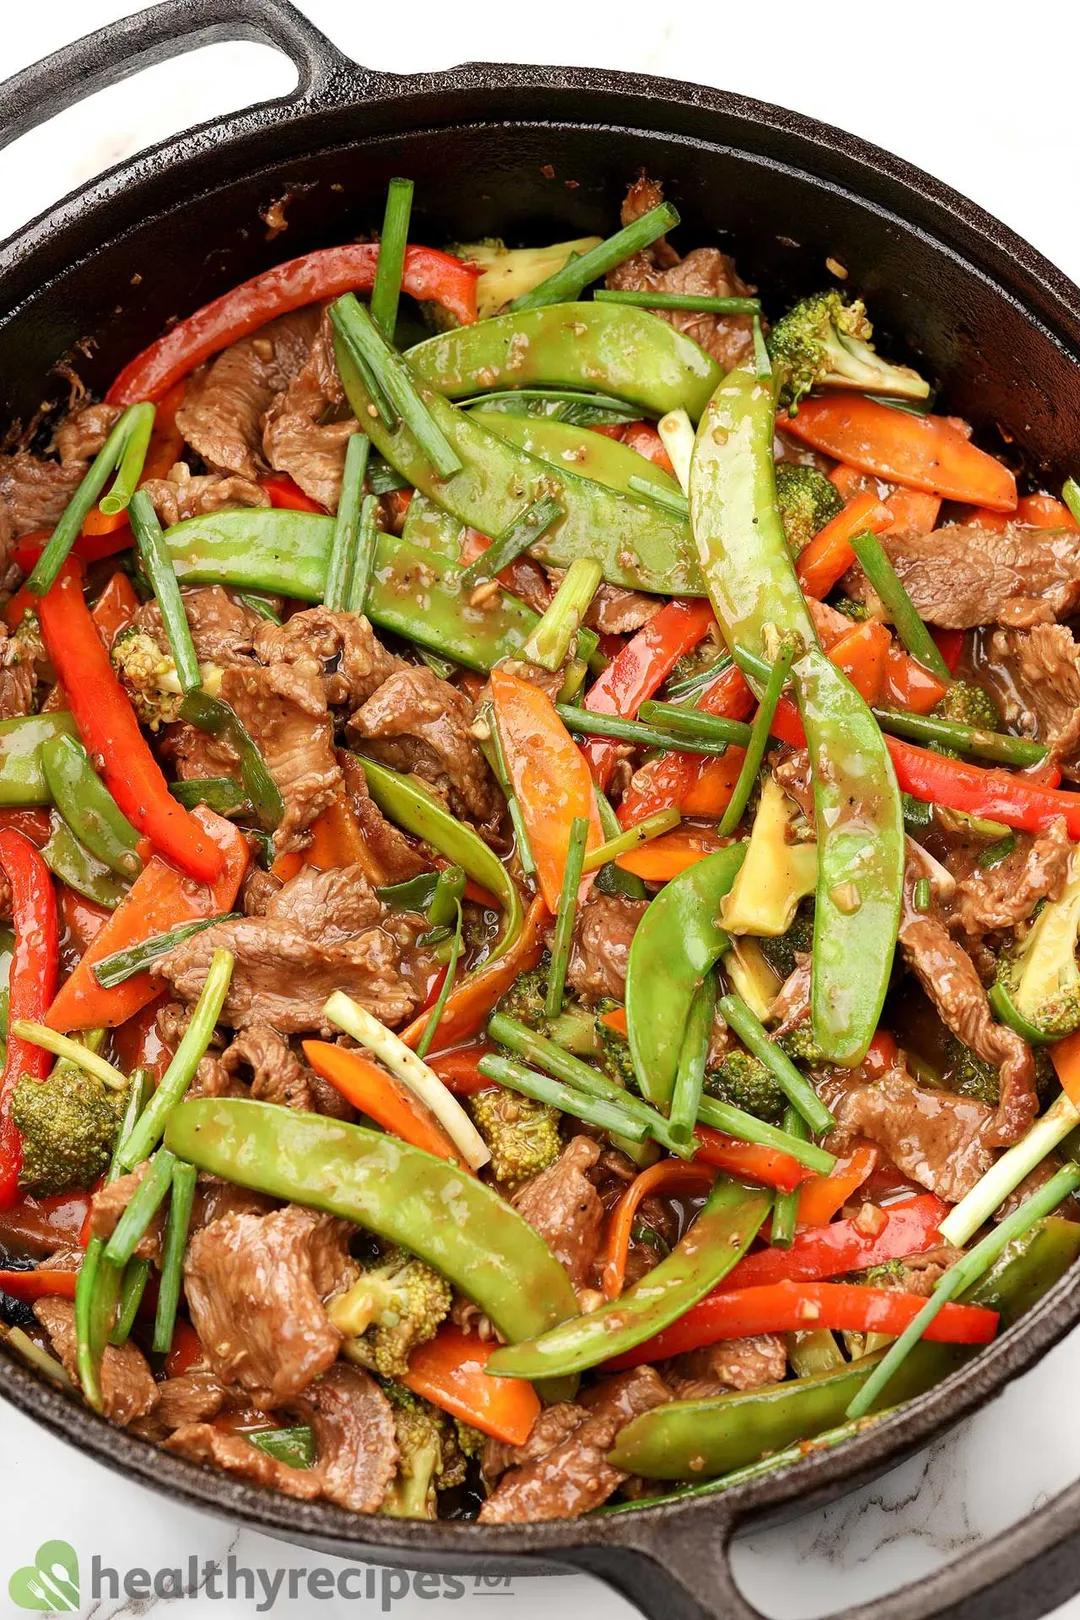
{"points": [[51, 1583]]}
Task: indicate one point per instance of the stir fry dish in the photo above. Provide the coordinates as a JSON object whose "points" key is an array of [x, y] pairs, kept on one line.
{"points": [[541, 860]]}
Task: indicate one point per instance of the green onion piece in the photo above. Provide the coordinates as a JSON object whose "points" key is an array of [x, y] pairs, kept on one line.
{"points": [[366, 343], [412, 895], [601, 1112], [162, 576], [786, 1204], [215, 717], [564, 920], [181, 1071], [579, 408], [996, 745], [136, 1277], [37, 1359], [589, 724], [997, 853], [147, 1200], [1007, 1172], [569, 282], [693, 1056], [367, 539], [339, 568], [106, 461], [921, 896], [759, 737], [875, 564], [704, 677], [172, 1257], [382, 478], [113, 970], [677, 436], [391, 261], [967, 1271], [693, 723], [294, 1447], [446, 897], [220, 793], [550, 640], [517, 537], [795, 1086], [140, 426], [693, 303], [442, 667], [662, 497], [259, 605], [661, 821], [423, 1045], [1070, 494], [62, 1046], [762, 362]]}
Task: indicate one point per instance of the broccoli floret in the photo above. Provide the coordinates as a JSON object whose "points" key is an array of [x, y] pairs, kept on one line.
{"points": [[615, 1059], [743, 1081], [857, 612], [148, 676], [526, 998], [432, 1458], [969, 1076], [823, 341], [522, 1135], [801, 1047], [807, 500], [970, 705], [780, 952], [1040, 976], [68, 1123], [510, 272], [394, 1306]]}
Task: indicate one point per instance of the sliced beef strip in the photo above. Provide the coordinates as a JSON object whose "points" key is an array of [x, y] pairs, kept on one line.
{"points": [[128, 1390], [34, 490], [419, 724], [184, 494], [255, 1287], [195, 755], [193, 1397], [1035, 674], [257, 891], [616, 612], [395, 858], [731, 1364], [575, 1475], [727, 338], [603, 933], [964, 576], [951, 980], [224, 1449], [83, 431], [17, 679], [943, 1142], [221, 628], [352, 660], [1006, 894], [278, 1075], [221, 416], [791, 1006], [108, 1203], [562, 1204], [215, 1198], [284, 710], [551, 1428], [309, 425], [920, 1273]]}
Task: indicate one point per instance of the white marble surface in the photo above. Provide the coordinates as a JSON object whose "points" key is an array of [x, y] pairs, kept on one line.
{"points": [[966, 91]]}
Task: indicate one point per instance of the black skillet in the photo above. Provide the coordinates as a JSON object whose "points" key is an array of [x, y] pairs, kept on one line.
{"points": [[547, 152]]}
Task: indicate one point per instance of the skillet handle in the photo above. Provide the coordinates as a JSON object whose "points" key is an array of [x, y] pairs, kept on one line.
{"points": [[676, 1566], [172, 28]]}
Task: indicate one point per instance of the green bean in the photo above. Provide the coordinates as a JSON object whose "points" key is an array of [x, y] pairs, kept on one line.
{"points": [[632, 731], [162, 576], [524, 532], [786, 1207], [600, 1112], [339, 567], [576, 274], [130, 470], [758, 741], [549, 643], [367, 539], [113, 970], [693, 1056], [875, 564], [795, 1086], [52, 559], [929, 728], [395, 234], [564, 919], [144, 1205], [694, 723], [694, 303], [172, 1259]]}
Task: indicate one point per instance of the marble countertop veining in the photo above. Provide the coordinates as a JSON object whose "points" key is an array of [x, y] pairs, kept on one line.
{"points": [[1015, 1454]]}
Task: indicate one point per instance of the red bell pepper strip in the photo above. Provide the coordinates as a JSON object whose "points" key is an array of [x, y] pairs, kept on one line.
{"points": [[108, 727], [840, 1247], [285, 493], [40, 1284], [550, 778], [785, 1307], [931, 453], [428, 275], [639, 670], [40, 1226], [666, 1176], [33, 824], [459, 1070], [756, 1163], [669, 782], [450, 1370], [34, 969], [160, 898], [88, 548], [950, 644], [829, 554]]}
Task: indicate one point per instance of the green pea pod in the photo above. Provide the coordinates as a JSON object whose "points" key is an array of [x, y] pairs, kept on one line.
{"points": [[88, 807], [73, 864], [721, 1234], [676, 944], [295, 1446], [638, 544], [751, 582], [702, 1439], [429, 528], [602, 348], [22, 775], [409, 805], [590, 455], [437, 1211], [218, 719]]}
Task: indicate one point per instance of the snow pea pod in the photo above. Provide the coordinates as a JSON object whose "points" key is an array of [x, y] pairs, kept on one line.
{"points": [[75, 865], [408, 805], [702, 1439], [752, 584], [590, 455], [22, 775], [433, 1208], [721, 1234], [88, 807], [636, 542], [675, 945], [627, 353]]}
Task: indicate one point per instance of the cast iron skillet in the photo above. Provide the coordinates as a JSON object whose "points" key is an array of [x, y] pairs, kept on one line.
{"points": [[513, 151]]}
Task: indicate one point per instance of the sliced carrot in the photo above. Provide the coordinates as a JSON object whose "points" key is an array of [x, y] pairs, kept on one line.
{"points": [[450, 1370], [615, 1019], [469, 1003], [821, 1196], [863, 655], [1065, 1056], [829, 553], [375, 1094], [44, 1283], [913, 511], [667, 1175], [1043, 512], [665, 857], [908, 685]]}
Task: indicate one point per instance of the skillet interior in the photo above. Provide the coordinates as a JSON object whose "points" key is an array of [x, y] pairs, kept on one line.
{"points": [[981, 312]]}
